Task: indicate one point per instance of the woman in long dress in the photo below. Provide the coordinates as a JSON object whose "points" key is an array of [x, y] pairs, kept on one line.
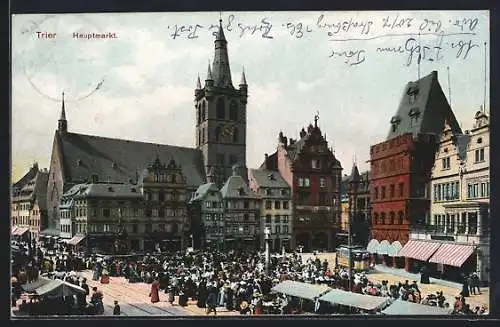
{"points": [[155, 288]]}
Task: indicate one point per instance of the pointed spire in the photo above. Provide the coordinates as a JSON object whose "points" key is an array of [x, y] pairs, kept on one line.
{"points": [[220, 34], [198, 83], [221, 70], [209, 73], [62, 125], [355, 177], [63, 111], [243, 78]]}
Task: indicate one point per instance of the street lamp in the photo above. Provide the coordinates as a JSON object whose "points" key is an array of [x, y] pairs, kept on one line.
{"points": [[267, 232], [354, 180]]}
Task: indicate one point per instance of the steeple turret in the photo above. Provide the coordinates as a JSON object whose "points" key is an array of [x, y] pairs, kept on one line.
{"points": [[62, 125], [197, 91], [221, 70], [209, 81]]}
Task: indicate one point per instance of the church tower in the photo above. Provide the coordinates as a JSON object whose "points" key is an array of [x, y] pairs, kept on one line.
{"points": [[221, 115]]}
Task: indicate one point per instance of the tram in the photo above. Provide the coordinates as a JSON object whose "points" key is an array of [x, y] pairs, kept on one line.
{"points": [[360, 257]]}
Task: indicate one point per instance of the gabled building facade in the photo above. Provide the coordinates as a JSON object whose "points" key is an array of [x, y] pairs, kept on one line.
{"points": [[314, 174], [275, 207], [242, 212], [206, 209], [460, 219], [28, 204], [165, 192], [401, 167]]}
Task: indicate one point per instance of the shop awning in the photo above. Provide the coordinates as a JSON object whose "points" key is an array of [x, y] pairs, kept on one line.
{"points": [[452, 254], [419, 250], [400, 307], [49, 232], [383, 247], [372, 246], [75, 240], [20, 231], [394, 249], [355, 300], [301, 290]]}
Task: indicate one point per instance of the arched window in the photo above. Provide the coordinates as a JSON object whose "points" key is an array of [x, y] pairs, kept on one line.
{"points": [[400, 217], [375, 218], [199, 137], [382, 218], [217, 134], [392, 217], [233, 110], [235, 135], [221, 108]]}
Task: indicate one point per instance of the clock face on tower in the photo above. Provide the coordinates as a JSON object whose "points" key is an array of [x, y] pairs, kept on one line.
{"points": [[226, 133]]}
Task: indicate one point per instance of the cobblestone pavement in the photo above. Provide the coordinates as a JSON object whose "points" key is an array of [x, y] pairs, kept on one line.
{"points": [[134, 300]]}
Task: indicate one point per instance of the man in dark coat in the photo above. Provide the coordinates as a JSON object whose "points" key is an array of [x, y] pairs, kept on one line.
{"points": [[116, 309]]}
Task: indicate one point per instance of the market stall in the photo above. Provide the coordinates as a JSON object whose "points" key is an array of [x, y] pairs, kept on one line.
{"points": [[359, 302], [401, 308], [302, 295]]}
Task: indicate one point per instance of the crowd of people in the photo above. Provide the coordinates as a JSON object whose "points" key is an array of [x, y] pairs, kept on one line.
{"points": [[235, 280]]}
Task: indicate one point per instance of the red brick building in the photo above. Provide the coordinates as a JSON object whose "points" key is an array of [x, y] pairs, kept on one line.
{"points": [[401, 167], [313, 172]]}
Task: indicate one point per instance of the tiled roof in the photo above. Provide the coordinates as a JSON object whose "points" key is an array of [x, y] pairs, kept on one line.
{"points": [[429, 105], [203, 190], [120, 160], [364, 185], [272, 162], [232, 187], [27, 177], [268, 178], [109, 190]]}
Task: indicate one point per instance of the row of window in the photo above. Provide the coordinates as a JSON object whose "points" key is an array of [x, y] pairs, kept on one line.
{"points": [[271, 191], [382, 219], [245, 217], [306, 182], [167, 178], [238, 230], [478, 190], [304, 198], [22, 206], [277, 205], [392, 192], [220, 108], [134, 228], [163, 196], [447, 191], [387, 166], [25, 220], [478, 158], [160, 212], [245, 204], [277, 229], [277, 219]]}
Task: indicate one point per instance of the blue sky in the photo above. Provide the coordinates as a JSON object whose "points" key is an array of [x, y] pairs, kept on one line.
{"points": [[148, 77]]}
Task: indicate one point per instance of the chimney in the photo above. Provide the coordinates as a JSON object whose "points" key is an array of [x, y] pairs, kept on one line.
{"points": [[266, 161]]}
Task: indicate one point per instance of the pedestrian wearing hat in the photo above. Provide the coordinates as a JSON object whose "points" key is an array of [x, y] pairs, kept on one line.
{"points": [[116, 309]]}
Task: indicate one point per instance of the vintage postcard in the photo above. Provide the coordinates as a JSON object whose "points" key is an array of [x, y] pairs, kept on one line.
{"points": [[250, 163]]}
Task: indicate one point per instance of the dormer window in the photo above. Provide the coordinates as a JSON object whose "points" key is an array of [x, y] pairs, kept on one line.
{"points": [[79, 162], [412, 93], [241, 191], [315, 164], [271, 177], [113, 165], [414, 114], [480, 140], [395, 120]]}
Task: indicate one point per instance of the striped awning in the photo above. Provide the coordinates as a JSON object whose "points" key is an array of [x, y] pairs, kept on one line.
{"points": [[452, 254], [372, 246], [20, 231], [419, 250], [75, 240], [383, 247]]}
